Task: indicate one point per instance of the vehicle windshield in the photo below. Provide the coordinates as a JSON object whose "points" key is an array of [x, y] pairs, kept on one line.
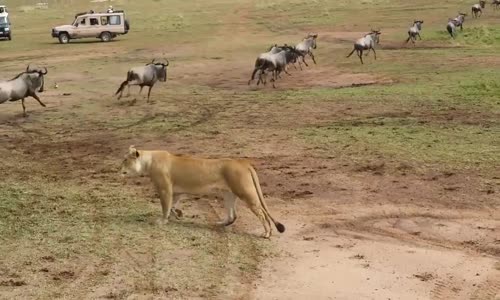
{"points": [[3, 21]]}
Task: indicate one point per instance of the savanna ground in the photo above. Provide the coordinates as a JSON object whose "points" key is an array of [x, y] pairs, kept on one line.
{"points": [[385, 174]]}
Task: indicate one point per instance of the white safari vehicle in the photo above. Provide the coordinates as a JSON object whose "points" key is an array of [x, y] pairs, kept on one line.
{"points": [[105, 26], [3, 11]]}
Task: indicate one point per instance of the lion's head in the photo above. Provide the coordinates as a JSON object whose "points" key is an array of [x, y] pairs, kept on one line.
{"points": [[131, 164]]}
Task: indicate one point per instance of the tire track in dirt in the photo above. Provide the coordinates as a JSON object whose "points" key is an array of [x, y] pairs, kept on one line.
{"points": [[371, 224], [445, 289], [490, 288]]}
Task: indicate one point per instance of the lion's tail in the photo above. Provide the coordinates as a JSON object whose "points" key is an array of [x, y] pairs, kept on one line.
{"points": [[280, 227]]}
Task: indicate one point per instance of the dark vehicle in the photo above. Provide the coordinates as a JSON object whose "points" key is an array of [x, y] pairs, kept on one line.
{"points": [[5, 31]]}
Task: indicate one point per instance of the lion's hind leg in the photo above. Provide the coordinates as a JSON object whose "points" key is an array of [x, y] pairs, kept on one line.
{"points": [[230, 206], [261, 214], [253, 202]]}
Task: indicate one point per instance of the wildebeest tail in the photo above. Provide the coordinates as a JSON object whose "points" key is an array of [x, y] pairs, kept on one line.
{"points": [[450, 30], [124, 84], [409, 37], [259, 63], [351, 52]]}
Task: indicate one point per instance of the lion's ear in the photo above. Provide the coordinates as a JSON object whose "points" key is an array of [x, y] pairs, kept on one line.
{"points": [[133, 151]]}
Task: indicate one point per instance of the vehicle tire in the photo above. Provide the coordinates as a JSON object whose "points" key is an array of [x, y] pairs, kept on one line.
{"points": [[105, 36], [9, 37], [63, 38]]}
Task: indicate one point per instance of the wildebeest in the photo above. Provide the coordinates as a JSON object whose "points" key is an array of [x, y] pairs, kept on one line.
{"points": [[495, 4], [25, 84], [306, 46], [451, 27], [414, 31], [459, 20], [477, 9], [366, 43], [143, 76], [273, 62]]}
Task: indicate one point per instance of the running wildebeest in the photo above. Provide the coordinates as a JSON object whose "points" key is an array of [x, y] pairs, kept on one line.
{"points": [[273, 62], [459, 20], [495, 4], [276, 63], [414, 31], [25, 84], [143, 76], [451, 27], [477, 9], [305, 48], [366, 43]]}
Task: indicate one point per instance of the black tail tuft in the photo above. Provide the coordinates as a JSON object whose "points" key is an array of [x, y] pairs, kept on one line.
{"points": [[122, 86], [280, 227]]}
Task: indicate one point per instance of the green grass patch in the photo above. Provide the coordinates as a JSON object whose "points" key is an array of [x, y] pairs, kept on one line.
{"points": [[444, 145]]}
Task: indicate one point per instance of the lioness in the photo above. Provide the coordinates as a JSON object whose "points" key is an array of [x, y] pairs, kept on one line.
{"points": [[174, 176]]}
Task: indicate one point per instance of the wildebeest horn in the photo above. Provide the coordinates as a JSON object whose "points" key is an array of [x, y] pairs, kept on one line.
{"points": [[153, 61], [28, 68], [44, 73], [166, 65]]}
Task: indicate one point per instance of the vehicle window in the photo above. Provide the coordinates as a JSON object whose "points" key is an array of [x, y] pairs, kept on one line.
{"points": [[82, 22], [104, 21], [3, 20], [94, 21], [114, 20], [2, 10]]}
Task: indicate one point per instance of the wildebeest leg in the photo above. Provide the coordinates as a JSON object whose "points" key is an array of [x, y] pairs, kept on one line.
{"points": [[253, 74], [149, 92], [312, 56], [304, 61], [37, 99], [360, 54], [461, 27], [24, 107], [272, 80], [128, 92], [140, 91], [419, 37], [374, 53], [260, 78]]}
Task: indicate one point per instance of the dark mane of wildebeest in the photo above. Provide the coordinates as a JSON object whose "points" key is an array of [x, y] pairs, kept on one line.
{"points": [[274, 62], [156, 71], [13, 91]]}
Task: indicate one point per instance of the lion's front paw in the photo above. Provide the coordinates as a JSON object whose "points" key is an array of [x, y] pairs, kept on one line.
{"points": [[161, 221]]}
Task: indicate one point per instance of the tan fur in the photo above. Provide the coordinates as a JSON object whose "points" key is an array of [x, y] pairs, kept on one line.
{"points": [[175, 176]]}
